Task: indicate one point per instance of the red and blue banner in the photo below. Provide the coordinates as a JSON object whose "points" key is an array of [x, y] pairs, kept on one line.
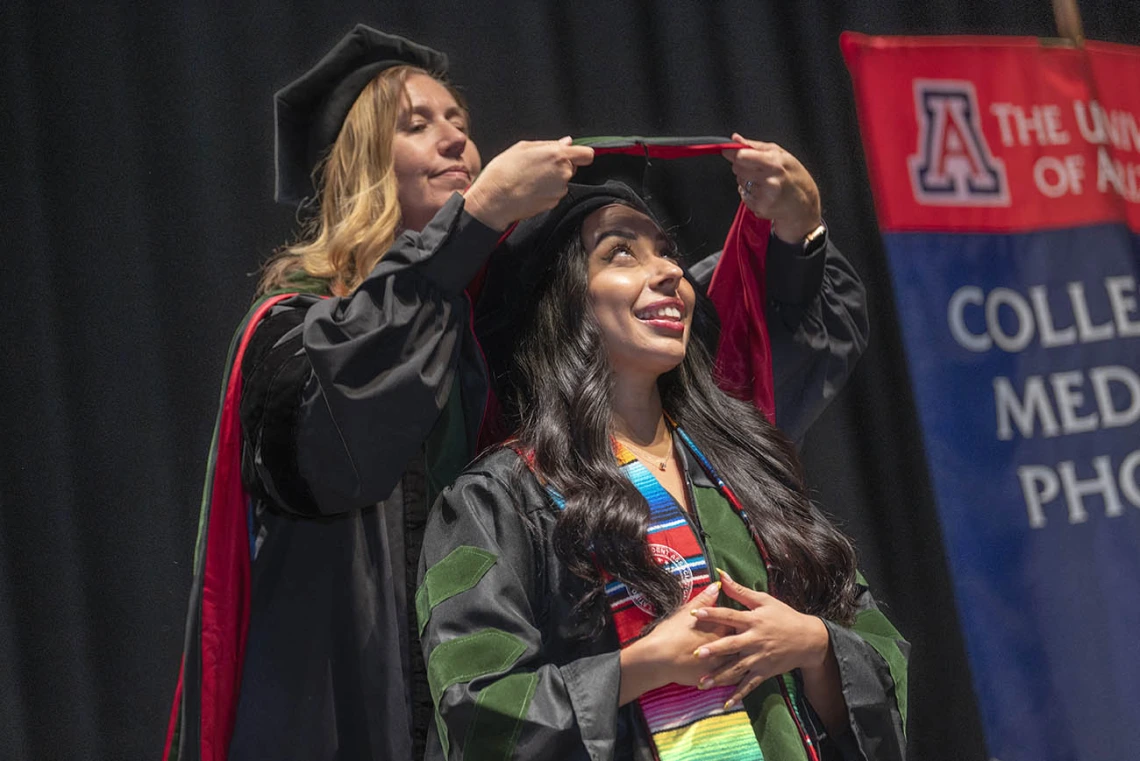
{"points": [[1006, 175]]}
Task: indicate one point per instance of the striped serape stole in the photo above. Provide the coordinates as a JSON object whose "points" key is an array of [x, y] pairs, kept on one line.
{"points": [[687, 724]]}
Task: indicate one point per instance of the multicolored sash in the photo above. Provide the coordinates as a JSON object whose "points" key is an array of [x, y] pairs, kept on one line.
{"points": [[686, 723]]}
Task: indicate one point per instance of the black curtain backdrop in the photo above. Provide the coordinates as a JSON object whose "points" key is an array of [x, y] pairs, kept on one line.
{"points": [[136, 196]]}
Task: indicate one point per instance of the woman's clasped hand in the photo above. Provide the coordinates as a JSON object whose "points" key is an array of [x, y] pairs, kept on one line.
{"points": [[766, 639]]}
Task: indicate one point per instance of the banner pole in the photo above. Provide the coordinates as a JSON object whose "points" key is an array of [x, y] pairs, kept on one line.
{"points": [[1067, 16]]}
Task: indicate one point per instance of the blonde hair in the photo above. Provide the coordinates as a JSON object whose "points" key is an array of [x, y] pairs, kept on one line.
{"points": [[359, 213]]}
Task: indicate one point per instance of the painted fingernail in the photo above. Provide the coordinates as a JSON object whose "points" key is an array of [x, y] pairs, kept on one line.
{"points": [[700, 613], [704, 684], [701, 652], [728, 704]]}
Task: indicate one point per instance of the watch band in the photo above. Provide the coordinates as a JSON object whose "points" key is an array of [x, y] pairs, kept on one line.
{"points": [[815, 237]]}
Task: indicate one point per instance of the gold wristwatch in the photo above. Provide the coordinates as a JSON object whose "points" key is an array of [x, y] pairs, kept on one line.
{"points": [[814, 238]]}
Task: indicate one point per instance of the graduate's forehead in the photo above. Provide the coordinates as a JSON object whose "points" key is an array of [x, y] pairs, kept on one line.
{"points": [[619, 220]]}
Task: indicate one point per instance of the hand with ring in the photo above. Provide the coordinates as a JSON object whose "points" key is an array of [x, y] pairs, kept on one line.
{"points": [[774, 185]]}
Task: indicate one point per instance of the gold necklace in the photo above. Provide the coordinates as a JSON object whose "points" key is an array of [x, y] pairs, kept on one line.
{"points": [[660, 462]]}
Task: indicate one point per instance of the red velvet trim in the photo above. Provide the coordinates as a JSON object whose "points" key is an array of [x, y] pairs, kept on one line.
{"points": [[744, 357], [492, 429], [506, 233], [491, 420], [669, 151], [226, 571], [475, 287]]}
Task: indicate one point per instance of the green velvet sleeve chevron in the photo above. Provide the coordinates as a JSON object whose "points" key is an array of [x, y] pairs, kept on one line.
{"points": [[501, 691]]}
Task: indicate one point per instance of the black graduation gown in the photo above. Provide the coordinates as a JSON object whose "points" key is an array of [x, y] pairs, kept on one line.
{"points": [[514, 671], [352, 412], [351, 424]]}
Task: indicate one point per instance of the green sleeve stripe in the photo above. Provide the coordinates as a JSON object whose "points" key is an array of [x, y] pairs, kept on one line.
{"points": [[464, 658], [497, 722], [874, 627], [459, 571]]}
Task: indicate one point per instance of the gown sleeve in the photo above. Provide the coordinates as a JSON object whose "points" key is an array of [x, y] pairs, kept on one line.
{"points": [[356, 383], [872, 658], [808, 311], [498, 692]]}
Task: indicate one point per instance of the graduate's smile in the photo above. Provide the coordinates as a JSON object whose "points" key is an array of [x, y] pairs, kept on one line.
{"points": [[665, 314]]}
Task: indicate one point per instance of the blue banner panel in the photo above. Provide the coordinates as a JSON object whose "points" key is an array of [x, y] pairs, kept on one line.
{"points": [[1024, 351]]}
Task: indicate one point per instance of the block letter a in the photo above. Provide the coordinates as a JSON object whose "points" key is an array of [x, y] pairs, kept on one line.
{"points": [[952, 165]]}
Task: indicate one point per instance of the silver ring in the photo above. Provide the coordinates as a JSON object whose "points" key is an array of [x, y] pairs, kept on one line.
{"points": [[747, 189]]}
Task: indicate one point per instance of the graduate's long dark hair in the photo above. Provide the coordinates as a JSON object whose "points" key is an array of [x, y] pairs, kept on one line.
{"points": [[562, 401]]}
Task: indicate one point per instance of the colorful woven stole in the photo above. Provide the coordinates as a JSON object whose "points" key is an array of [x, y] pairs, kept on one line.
{"points": [[686, 724]]}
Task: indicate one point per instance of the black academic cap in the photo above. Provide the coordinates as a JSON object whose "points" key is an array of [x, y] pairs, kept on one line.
{"points": [[647, 164], [527, 249], [522, 263], [525, 258], [310, 111]]}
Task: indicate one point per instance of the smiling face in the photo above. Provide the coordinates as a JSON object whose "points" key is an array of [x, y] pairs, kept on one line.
{"points": [[637, 291], [432, 154]]}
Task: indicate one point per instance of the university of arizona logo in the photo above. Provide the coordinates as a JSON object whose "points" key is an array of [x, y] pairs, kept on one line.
{"points": [[953, 165], [674, 562]]}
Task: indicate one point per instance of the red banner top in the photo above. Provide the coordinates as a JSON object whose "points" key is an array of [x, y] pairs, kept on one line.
{"points": [[998, 134]]}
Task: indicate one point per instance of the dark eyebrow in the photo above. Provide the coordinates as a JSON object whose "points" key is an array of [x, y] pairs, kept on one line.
{"points": [[627, 234], [615, 232]]}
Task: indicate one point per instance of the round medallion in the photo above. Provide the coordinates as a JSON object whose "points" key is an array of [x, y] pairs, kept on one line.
{"points": [[674, 563]]}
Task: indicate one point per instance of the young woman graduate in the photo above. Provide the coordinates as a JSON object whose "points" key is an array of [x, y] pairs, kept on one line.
{"points": [[356, 394], [568, 598]]}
